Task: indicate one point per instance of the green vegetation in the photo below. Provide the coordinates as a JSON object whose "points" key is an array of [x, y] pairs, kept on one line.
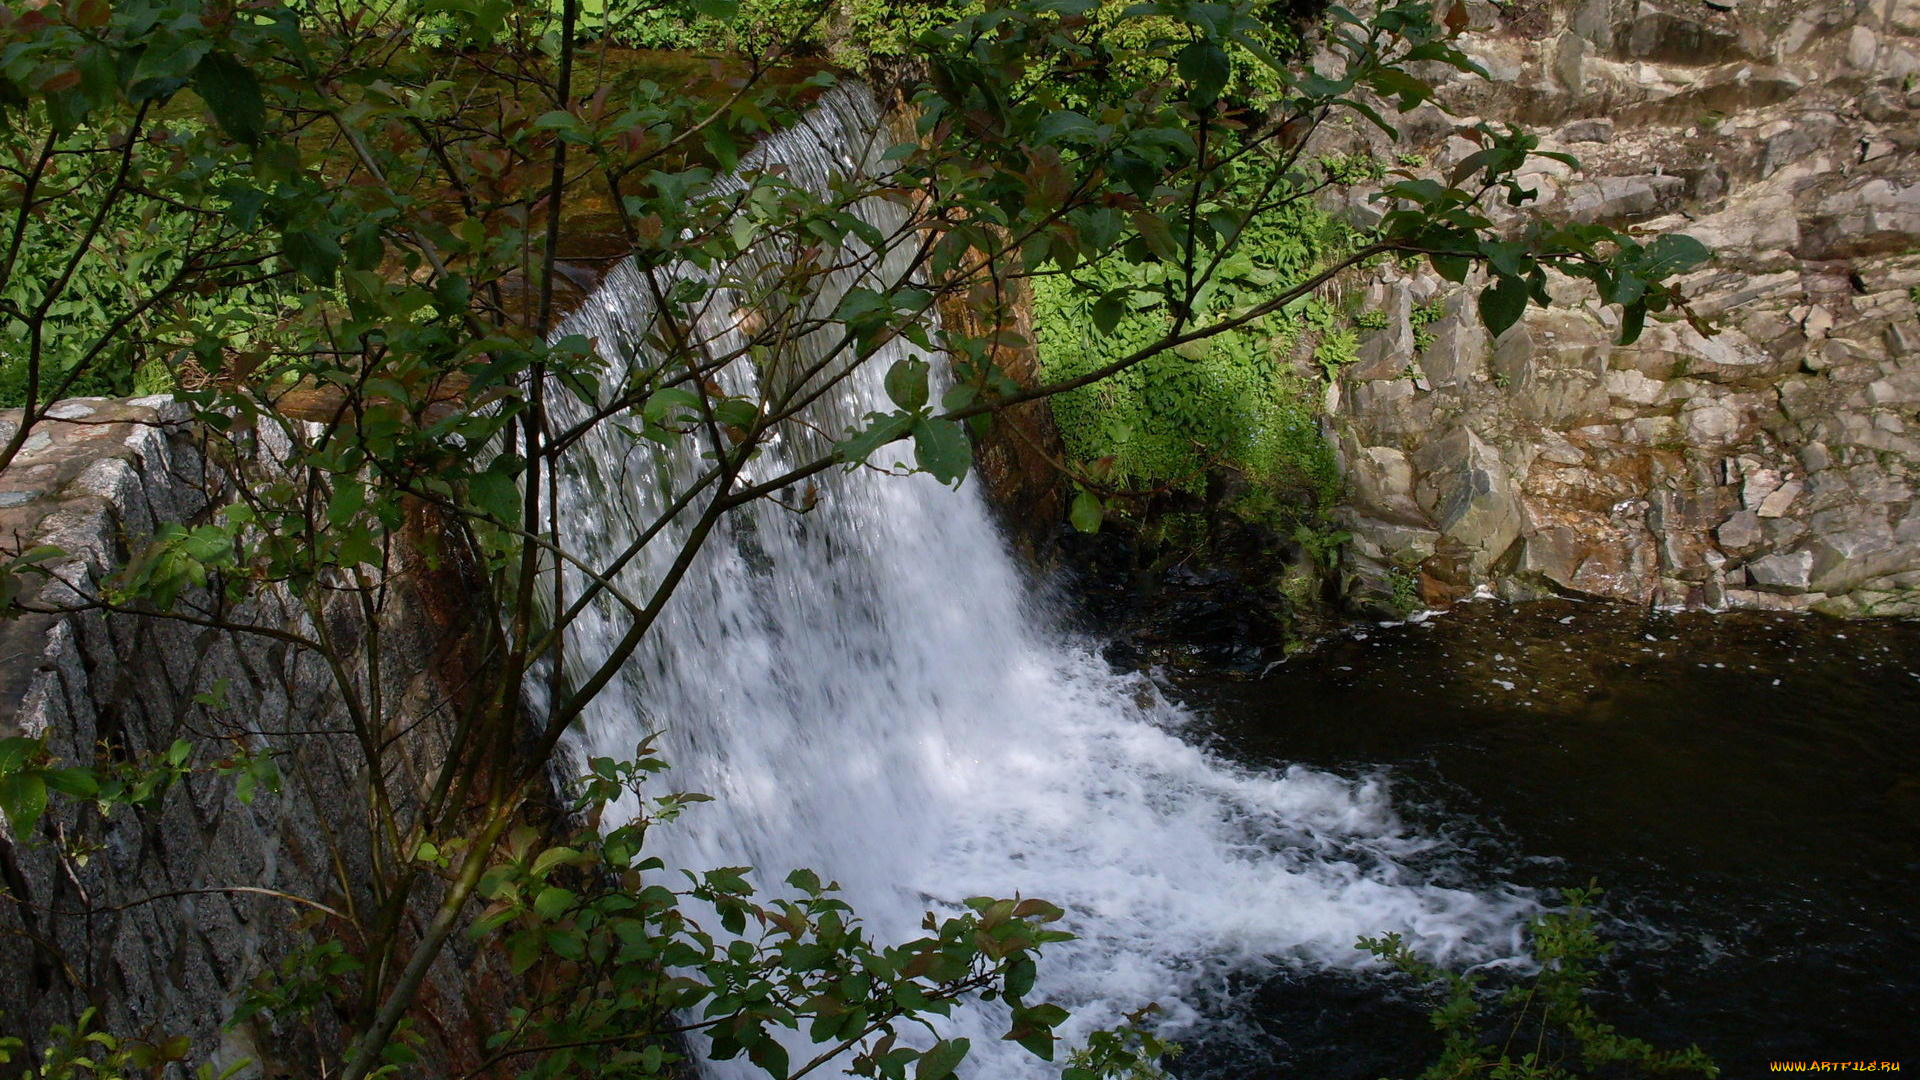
{"points": [[78, 1052], [99, 339], [1234, 402], [1423, 318], [1406, 589], [1546, 1028]]}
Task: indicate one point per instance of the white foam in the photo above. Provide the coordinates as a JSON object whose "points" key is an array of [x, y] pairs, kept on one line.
{"points": [[868, 690]]}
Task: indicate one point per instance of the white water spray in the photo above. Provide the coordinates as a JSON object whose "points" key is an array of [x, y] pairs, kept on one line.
{"points": [[868, 690]]}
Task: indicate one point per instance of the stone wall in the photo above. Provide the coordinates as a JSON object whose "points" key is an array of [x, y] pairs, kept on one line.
{"points": [[139, 919], [1770, 466]]}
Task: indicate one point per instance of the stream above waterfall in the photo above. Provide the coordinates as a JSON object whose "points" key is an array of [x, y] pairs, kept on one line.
{"points": [[1745, 787]]}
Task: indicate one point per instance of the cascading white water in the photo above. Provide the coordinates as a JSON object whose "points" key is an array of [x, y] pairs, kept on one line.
{"points": [[871, 689]]}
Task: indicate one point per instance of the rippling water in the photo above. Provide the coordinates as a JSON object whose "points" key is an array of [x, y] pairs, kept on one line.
{"points": [[1746, 787]]}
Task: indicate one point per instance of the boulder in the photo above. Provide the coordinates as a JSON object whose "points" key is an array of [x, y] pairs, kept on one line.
{"points": [[1748, 226], [1740, 534], [1468, 493], [1380, 483], [1842, 560], [1598, 129], [1789, 572]]}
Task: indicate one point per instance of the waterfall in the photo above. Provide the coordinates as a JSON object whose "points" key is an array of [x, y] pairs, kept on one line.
{"points": [[873, 690]]}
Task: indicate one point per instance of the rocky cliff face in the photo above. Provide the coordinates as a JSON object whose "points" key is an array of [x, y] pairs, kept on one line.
{"points": [[1770, 466]]}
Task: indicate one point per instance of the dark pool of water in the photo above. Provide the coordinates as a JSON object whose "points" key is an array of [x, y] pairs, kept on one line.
{"points": [[1745, 788]]}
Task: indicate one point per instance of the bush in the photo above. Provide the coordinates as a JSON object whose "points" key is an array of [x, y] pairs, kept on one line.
{"points": [[1549, 1018]]}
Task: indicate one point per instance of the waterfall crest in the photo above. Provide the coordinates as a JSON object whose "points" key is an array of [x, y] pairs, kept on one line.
{"points": [[871, 689]]}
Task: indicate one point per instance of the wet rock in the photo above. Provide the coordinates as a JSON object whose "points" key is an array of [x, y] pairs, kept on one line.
{"points": [[1863, 45], [1901, 388], [1767, 223], [1676, 36], [1757, 483], [1871, 217], [1552, 556], [1844, 559], [1711, 424], [1774, 460], [1454, 357]]}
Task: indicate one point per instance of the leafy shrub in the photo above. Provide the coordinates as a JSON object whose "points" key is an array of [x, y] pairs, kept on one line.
{"points": [[134, 249], [1336, 350], [1548, 1018]]}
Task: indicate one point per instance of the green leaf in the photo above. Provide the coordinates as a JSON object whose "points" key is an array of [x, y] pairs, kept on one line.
{"points": [[1087, 512], [1505, 256], [1451, 267], [907, 383], [497, 495], [348, 499], [1502, 303], [1158, 235], [16, 752], [737, 412], [1107, 311], [771, 1057], [23, 797], [552, 901], [1064, 124], [662, 402], [364, 246], [721, 144], [1204, 65], [941, 448], [231, 91], [1020, 976], [315, 256], [1627, 289], [724, 10], [1674, 253], [1633, 320], [74, 783], [552, 857], [939, 1062], [885, 428]]}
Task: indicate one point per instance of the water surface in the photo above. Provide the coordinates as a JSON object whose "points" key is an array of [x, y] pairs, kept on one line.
{"points": [[1745, 787]]}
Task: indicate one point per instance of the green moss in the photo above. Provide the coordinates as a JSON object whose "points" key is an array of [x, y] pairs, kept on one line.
{"points": [[1232, 401]]}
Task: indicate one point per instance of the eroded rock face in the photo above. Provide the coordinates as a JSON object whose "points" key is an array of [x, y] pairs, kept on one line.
{"points": [[1770, 466]]}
